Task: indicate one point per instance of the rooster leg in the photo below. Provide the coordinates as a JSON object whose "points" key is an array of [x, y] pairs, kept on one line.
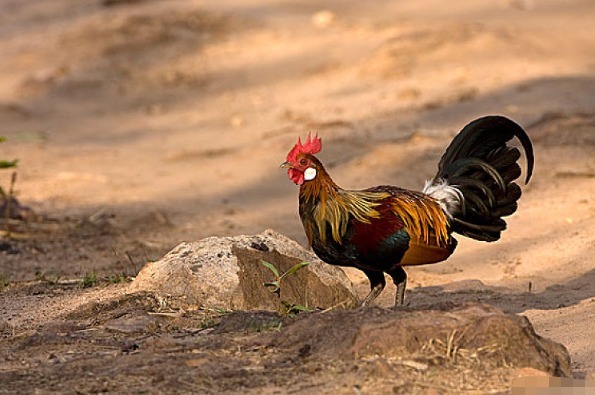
{"points": [[377, 284], [400, 279]]}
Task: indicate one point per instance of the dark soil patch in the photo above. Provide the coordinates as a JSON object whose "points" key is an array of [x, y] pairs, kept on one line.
{"points": [[137, 342]]}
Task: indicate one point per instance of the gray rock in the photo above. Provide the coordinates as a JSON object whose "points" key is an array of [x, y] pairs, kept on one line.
{"points": [[227, 272]]}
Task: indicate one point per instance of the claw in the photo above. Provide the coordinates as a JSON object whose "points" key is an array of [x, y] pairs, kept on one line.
{"points": [[377, 284], [374, 292], [400, 279], [400, 295]]}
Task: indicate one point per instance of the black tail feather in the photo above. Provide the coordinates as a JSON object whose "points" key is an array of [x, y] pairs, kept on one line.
{"points": [[484, 135], [481, 165]]}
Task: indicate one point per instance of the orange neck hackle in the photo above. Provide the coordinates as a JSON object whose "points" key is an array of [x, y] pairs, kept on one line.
{"points": [[334, 206]]}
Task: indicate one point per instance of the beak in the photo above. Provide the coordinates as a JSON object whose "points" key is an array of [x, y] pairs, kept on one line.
{"points": [[285, 165]]}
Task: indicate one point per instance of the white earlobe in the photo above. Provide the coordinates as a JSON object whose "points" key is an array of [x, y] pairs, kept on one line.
{"points": [[309, 174]]}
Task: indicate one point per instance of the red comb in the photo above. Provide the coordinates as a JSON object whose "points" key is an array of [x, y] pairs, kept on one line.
{"points": [[312, 146]]}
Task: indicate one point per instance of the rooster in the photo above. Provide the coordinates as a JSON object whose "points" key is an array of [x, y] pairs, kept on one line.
{"points": [[384, 228]]}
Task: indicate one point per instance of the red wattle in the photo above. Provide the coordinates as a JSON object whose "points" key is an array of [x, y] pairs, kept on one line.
{"points": [[296, 176]]}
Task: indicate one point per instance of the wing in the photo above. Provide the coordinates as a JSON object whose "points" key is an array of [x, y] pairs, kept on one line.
{"points": [[411, 229], [381, 242]]}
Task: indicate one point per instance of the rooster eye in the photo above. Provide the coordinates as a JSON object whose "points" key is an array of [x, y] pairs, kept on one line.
{"points": [[303, 161]]}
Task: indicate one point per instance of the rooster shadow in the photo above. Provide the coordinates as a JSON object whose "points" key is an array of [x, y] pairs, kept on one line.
{"points": [[553, 297]]}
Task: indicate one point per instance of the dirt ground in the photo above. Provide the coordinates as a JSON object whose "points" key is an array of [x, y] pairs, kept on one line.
{"points": [[140, 124]]}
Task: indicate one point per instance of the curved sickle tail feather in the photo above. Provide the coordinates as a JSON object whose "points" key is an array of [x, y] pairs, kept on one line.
{"points": [[475, 180]]}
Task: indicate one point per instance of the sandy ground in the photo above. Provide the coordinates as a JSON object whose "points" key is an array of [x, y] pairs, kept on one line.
{"points": [[140, 124]]}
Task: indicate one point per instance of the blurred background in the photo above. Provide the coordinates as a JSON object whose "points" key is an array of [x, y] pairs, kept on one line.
{"points": [[139, 124]]}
